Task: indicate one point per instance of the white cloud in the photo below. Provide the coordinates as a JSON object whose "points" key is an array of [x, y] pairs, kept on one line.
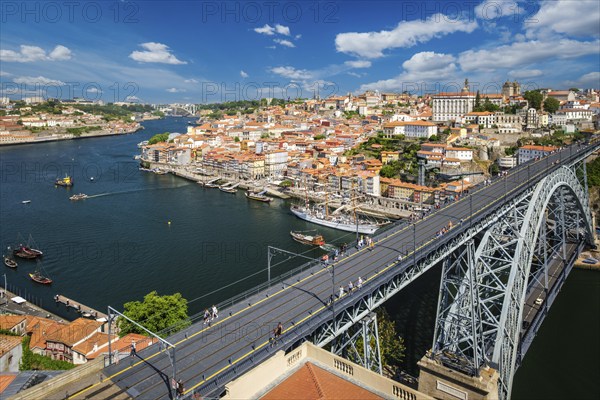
{"points": [[39, 81], [175, 90], [589, 80], [133, 99], [191, 80], [270, 30], [243, 74], [293, 73], [406, 34], [284, 42], [92, 90], [265, 30], [567, 17], [525, 53], [525, 73], [298, 36], [3, 73], [421, 67], [355, 74], [155, 53], [60, 53], [358, 64], [35, 53], [493, 9], [282, 30]]}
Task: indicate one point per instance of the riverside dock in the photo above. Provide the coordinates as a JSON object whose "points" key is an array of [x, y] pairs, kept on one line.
{"points": [[84, 310]]}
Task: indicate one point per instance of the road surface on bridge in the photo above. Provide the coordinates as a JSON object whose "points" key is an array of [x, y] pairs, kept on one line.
{"points": [[239, 338]]}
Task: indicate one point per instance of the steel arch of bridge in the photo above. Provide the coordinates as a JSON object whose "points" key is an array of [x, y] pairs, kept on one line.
{"points": [[484, 284]]}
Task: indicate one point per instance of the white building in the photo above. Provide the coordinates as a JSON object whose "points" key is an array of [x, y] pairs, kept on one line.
{"points": [[507, 162], [460, 153], [530, 152], [410, 129], [275, 162], [452, 105]]}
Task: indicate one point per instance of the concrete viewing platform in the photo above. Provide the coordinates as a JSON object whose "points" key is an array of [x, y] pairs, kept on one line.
{"points": [[84, 310]]}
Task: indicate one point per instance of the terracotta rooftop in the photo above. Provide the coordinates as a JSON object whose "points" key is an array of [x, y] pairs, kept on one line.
{"points": [[311, 383], [5, 380], [9, 342]]}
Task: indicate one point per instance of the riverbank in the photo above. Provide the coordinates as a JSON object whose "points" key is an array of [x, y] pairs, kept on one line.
{"points": [[67, 136], [368, 209]]}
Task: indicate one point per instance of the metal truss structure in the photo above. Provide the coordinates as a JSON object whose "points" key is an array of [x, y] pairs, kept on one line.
{"points": [[486, 281], [487, 270], [348, 346]]}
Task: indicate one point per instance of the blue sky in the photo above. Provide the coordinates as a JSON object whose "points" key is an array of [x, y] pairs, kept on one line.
{"points": [[211, 51]]}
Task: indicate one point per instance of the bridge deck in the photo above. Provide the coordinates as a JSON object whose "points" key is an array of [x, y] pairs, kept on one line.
{"points": [[239, 338]]}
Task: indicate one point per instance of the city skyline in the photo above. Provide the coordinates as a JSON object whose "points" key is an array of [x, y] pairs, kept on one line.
{"points": [[202, 52]]}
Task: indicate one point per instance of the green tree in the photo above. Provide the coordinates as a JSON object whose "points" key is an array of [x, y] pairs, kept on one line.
{"points": [[593, 172], [236, 139], [477, 106], [319, 137], [489, 106], [434, 138], [161, 137], [392, 345], [32, 361], [155, 313], [551, 105], [535, 98], [387, 171], [494, 169]]}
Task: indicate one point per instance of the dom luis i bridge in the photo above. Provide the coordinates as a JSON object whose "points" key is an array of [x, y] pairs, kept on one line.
{"points": [[507, 249]]}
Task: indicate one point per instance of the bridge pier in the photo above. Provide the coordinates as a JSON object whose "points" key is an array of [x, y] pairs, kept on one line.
{"points": [[442, 382]]}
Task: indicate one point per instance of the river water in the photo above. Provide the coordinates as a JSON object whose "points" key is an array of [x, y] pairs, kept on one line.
{"points": [[140, 232]]}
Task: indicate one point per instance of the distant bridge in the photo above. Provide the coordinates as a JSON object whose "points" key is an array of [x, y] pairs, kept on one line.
{"points": [[178, 109], [509, 249]]}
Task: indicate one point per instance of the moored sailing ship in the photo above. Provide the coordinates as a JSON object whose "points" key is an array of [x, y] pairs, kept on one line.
{"points": [[342, 222]]}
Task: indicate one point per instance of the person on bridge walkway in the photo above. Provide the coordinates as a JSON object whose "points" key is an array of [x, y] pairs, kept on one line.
{"points": [[215, 312], [180, 389], [276, 333], [359, 283], [350, 287], [206, 317], [133, 353]]}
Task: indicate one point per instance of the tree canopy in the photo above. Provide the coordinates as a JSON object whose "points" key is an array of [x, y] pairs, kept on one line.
{"points": [[593, 172], [551, 105], [160, 137], [535, 98], [155, 313]]}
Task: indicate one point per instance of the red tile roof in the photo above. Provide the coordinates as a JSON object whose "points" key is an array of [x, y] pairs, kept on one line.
{"points": [[312, 382]]}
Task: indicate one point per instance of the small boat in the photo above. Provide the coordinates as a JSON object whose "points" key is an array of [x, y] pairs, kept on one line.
{"points": [[227, 189], [66, 181], [211, 185], [37, 276], [80, 196], [9, 262], [316, 240], [92, 179], [258, 197], [159, 171], [328, 247], [27, 252], [590, 260], [26, 201]]}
